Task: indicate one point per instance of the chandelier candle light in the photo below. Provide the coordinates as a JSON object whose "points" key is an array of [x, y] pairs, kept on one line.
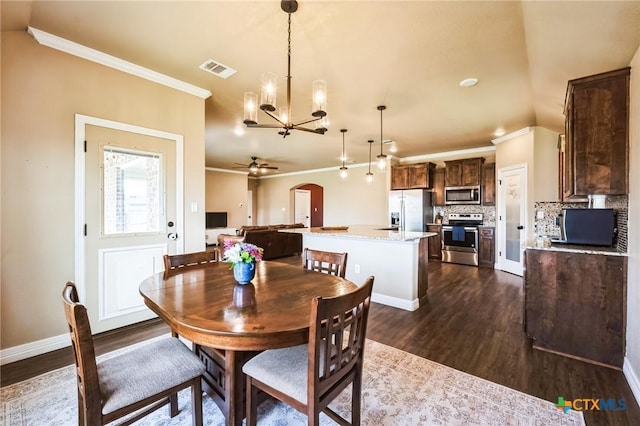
{"points": [[382, 159], [269, 90], [343, 170]]}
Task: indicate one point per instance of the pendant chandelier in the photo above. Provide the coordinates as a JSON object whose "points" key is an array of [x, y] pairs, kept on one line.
{"points": [[369, 175], [343, 170], [382, 159], [268, 96]]}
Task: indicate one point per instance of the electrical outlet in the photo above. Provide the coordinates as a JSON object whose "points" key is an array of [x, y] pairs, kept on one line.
{"points": [[356, 268], [540, 214]]}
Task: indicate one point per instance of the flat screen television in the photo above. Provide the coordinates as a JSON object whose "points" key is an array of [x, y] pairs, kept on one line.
{"points": [[216, 220]]}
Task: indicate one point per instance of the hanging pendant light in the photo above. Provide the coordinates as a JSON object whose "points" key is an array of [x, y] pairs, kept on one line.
{"points": [[343, 170], [369, 175], [269, 90], [382, 159]]}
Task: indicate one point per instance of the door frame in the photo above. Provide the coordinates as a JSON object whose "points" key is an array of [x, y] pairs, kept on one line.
{"points": [[524, 214], [79, 203]]}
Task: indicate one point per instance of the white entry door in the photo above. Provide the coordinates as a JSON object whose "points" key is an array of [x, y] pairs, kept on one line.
{"points": [[131, 218], [512, 218], [302, 205], [249, 208]]}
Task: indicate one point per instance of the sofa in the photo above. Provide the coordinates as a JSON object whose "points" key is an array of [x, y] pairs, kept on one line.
{"points": [[275, 244]]}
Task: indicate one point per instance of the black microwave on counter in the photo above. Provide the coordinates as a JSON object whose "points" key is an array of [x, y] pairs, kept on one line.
{"points": [[593, 227], [462, 194]]}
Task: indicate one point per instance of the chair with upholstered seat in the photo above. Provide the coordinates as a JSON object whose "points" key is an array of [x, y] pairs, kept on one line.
{"points": [[308, 377], [179, 261], [325, 261], [145, 377]]}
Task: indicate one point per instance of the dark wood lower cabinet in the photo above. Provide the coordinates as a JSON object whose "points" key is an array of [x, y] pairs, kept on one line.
{"points": [[575, 304], [486, 246], [435, 243]]}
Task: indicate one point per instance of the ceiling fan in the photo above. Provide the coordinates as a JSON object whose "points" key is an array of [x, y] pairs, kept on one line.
{"points": [[255, 167]]}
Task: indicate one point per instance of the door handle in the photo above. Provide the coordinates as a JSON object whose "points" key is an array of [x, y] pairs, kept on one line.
{"points": [[520, 227]]}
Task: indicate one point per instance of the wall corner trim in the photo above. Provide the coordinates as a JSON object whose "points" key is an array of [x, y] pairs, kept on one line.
{"points": [[632, 379], [102, 58]]}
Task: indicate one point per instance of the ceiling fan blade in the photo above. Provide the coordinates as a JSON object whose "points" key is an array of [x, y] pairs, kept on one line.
{"points": [[240, 164]]}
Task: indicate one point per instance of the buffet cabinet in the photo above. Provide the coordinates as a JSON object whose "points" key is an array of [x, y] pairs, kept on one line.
{"points": [[595, 150], [575, 304], [412, 176]]}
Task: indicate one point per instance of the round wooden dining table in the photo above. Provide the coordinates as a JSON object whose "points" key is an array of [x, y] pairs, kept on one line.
{"points": [[229, 323]]}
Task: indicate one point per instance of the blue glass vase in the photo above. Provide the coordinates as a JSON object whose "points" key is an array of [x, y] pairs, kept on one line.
{"points": [[244, 272]]}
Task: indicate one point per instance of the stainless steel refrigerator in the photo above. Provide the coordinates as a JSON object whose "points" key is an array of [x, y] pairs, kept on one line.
{"points": [[410, 209]]}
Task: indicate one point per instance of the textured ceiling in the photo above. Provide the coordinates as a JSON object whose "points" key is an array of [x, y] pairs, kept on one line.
{"points": [[409, 56]]}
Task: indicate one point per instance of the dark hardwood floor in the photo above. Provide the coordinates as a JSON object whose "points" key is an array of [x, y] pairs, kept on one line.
{"points": [[471, 320]]}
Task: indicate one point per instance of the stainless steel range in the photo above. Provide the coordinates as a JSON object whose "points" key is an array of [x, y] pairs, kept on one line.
{"points": [[460, 238]]}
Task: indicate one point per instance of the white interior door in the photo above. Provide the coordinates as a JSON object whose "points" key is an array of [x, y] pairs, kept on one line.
{"points": [[131, 217], [302, 205], [512, 218], [249, 208]]}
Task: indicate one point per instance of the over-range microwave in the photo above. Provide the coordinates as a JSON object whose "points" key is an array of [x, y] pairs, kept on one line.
{"points": [[462, 194]]}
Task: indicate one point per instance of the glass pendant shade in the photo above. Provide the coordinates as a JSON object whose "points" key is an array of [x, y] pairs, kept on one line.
{"points": [[322, 124], [250, 108], [382, 162], [343, 170], [319, 108], [369, 175], [268, 92]]}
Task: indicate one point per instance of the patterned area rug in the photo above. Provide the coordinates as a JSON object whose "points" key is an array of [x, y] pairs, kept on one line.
{"points": [[398, 389]]}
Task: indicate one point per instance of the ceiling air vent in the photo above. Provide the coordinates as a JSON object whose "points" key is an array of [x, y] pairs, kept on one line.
{"points": [[217, 68]]}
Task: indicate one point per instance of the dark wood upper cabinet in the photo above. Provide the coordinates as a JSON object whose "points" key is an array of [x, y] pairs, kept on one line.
{"points": [[438, 187], [412, 176], [489, 184], [595, 155], [465, 172]]}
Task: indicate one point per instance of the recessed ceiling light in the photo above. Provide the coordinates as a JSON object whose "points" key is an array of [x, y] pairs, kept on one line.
{"points": [[499, 132], [469, 82]]}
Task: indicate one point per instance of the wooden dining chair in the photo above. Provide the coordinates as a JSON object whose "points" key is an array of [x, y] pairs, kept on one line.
{"points": [[178, 261], [147, 376], [308, 377], [325, 261]]}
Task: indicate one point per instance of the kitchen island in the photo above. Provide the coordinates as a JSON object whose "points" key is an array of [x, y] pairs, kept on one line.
{"points": [[575, 301], [397, 259]]}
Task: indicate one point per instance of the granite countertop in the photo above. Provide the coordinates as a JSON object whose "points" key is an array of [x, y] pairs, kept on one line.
{"points": [[574, 248], [364, 231]]}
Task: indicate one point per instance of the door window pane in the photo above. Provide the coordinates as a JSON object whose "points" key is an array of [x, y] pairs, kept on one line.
{"points": [[132, 199], [512, 203]]}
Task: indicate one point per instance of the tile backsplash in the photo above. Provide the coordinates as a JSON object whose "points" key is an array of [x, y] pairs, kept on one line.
{"points": [[489, 212], [547, 227]]}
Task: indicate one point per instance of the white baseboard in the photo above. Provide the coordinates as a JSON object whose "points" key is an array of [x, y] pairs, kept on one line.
{"points": [[407, 305], [39, 347], [632, 379]]}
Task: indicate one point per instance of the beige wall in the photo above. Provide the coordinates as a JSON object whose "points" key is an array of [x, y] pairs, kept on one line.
{"points": [[227, 192], [42, 89], [347, 202], [538, 150], [633, 247]]}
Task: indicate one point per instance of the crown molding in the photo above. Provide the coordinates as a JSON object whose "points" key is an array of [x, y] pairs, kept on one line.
{"points": [[102, 58], [214, 169], [438, 155], [511, 135]]}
